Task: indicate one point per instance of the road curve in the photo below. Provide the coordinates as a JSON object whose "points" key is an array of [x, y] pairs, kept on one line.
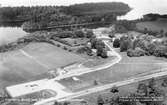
{"points": [[86, 70], [158, 73], [82, 71]]}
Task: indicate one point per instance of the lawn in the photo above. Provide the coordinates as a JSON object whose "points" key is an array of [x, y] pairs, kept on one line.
{"points": [[128, 67], [153, 25], [34, 59], [91, 99], [51, 55]]}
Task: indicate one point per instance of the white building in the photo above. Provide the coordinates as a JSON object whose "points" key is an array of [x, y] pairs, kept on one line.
{"points": [[37, 86]]}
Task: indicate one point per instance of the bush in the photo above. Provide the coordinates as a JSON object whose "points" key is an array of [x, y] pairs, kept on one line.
{"points": [[58, 45], [100, 100], [85, 49], [93, 43], [81, 50], [89, 33], [143, 44], [111, 35], [164, 83], [151, 48], [104, 54], [75, 42], [96, 43], [166, 34], [135, 53], [89, 51], [114, 89], [65, 48], [66, 103], [135, 42], [152, 83], [70, 50], [79, 34], [142, 89], [116, 43], [164, 42], [101, 51], [145, 30], [161, 32], [125, 44], [95, 82], [160, 51], [99, 44]]}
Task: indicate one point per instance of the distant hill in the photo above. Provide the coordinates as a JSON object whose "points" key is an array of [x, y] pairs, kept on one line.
{"points": [[117, 8]]}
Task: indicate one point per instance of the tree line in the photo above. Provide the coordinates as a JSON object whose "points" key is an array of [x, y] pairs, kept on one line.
{"points": [[147, 93], [141, 45], [153, 16], [43, 16], [118, 8]]}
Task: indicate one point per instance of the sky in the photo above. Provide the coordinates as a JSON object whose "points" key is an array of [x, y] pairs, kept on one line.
{"points": [[140, 7]]}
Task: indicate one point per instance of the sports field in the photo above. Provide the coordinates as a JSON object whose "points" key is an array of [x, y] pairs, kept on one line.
{"points": [[35, 59]]}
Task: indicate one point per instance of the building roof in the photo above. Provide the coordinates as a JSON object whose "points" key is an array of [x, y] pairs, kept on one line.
{"points": [[36, 86]]}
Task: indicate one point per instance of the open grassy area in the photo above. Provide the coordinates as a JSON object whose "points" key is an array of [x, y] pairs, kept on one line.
{"points": [[91, 99], [153, 25], [52, 56], [128, 67], [34, 59]]}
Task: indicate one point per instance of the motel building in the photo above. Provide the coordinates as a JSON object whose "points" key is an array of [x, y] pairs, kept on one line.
{"points": [[38, 90]]}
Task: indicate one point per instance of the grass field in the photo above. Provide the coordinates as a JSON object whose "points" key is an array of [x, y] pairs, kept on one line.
{"points": [[128, 67], [91, 99], [153, 25], [36, 58], [123, 91]]}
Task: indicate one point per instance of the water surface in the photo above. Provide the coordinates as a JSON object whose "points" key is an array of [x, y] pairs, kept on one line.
{"points": [[10, 34]]}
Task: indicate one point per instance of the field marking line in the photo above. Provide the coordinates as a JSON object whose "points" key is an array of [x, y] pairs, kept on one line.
{"points": [[33, 58]]}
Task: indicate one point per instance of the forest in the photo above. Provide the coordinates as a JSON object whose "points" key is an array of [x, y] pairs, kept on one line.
{"points": [[12, 14], [39, 17], [116, 8], [153, 16]]}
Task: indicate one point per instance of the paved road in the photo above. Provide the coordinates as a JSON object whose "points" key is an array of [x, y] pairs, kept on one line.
{"points": [[141, 77], [161, 72], [82, 71]]}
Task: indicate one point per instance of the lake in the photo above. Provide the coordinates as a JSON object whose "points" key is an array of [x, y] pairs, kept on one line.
{"points": [[142, 7], [10, 34]]}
